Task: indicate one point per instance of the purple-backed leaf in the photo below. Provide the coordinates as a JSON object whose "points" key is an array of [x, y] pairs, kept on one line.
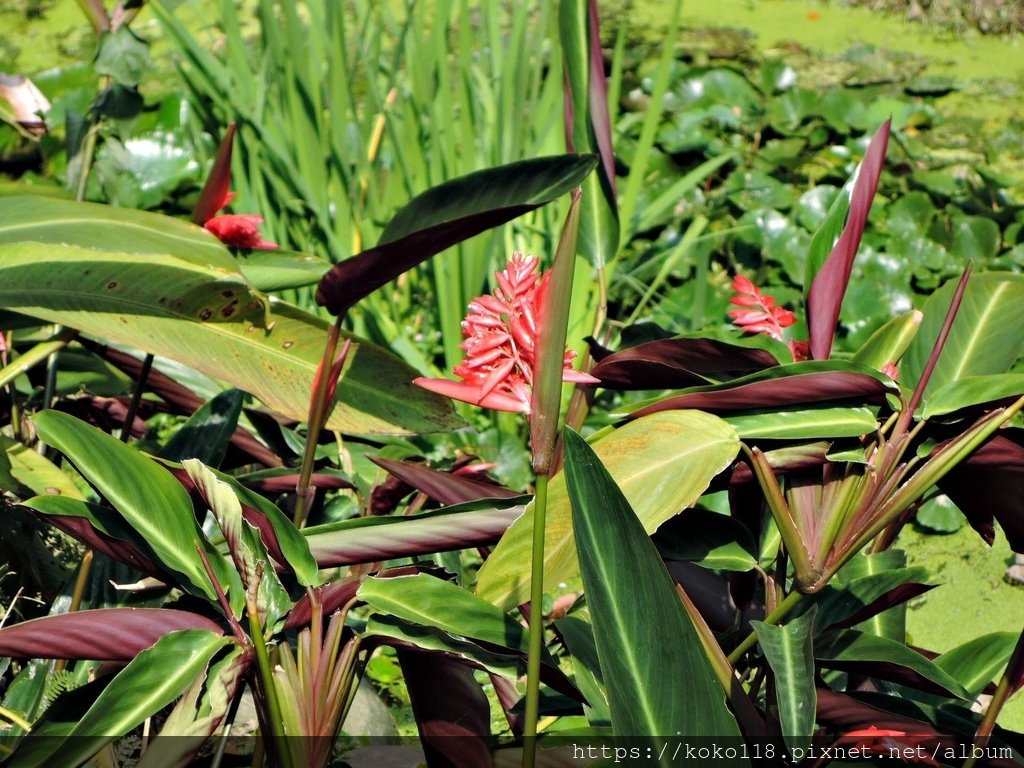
{"points": [[796, 384], [782, 460], [444, 487], [987, 486], [846, 714], [897, 596], [273, 483], [1015, 666], [376, 539], [284, 542], [675, 363], [103, 634], [336, 594], [81, 529], [451, 709], [215, 192], [448, 214], [828, 284]]}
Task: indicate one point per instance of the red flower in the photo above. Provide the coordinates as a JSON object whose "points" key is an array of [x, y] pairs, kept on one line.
{"points": [[240, 230], [501, 343], [760, 314]]}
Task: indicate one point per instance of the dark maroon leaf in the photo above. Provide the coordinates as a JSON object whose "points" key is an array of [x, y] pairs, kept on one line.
{"points": [[798, 389], [825, 295], [676, 363], [894, 597], [451, 709], [286, 483], [1015, 667], [104, 634], [391, 538], [448, 214], [844, 714], [788, 459], [444, 487], [81, 529], [988, 486]]}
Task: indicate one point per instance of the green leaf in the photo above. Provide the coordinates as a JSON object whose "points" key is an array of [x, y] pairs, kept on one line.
{"points": [[940, 515], [36, 472], [888, 343], [844, 598], [280, 270], [810, 423], [248, 552], [122, 56], [432, 602], [985, 338], [979, 661], [578, 635], [154, 679], [973, 390], [146, 496], [208, 319], [710, 539], [25, 218], [790, 653], [206, 433], [884, 658], [662, 462], [652, 660], [393, 628]]}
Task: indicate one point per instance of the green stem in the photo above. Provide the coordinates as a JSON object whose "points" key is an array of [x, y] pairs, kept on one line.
{"points": [[276, 736], [317, 412], [34, 356], [780, 612], [988, 723], [16, 719], [540, 503]]}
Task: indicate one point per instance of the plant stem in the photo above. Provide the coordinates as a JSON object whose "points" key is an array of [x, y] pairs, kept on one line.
{"points": [[16, 719], [536, 623], [266, 681], [317, 412], [780, 612], [133, 406], [84, 566]]}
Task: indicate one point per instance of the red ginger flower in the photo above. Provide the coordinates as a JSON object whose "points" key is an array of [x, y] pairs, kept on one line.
{"points": [[240, 230], [501, 332], [760, 314]]}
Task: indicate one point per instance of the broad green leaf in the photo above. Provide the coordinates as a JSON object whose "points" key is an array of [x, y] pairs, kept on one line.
{"points": [[25, 218], [145, 494], [36, 472], [386, 628], [979, 661], [208, 319], [985, 338], [279, 270], [432, 602], [122, 56], [888, 343], [154, 679], [652, 660], [247, 550], [883, 579], [940, 515], [790, 653], [662, 462], [710, 539], [884, 658], [810, 423], [973, 390]]}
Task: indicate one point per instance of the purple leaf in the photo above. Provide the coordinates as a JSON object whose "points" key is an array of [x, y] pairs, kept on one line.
{"points": [[389, 538], [444, 487], [676, 363], [987, 486], [825, 295], [798, 389], [104, 634], [116, 549], [452, 712], [448, 214]]}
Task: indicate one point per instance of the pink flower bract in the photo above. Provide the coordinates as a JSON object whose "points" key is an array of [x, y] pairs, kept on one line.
{"points": [[501, 332], [240, 230], [758, 311]]}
